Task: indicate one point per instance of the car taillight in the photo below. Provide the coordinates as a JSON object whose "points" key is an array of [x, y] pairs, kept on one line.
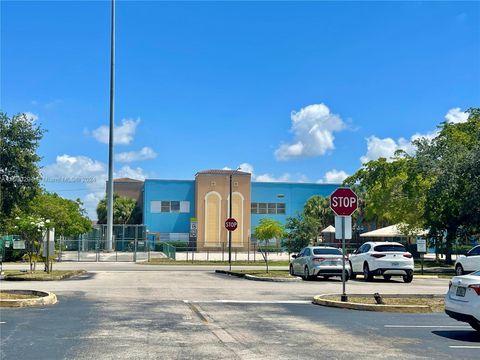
{"points": [[475, 287], [318, 259], [377, 255], [408, 255]]}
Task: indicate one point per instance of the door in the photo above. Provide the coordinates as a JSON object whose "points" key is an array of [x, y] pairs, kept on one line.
{"points": [[297, 261]]}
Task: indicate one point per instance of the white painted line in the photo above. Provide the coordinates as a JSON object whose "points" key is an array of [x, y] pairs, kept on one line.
{"points": [[249, 301], [428, 326], [464, 347], [2, 322]]}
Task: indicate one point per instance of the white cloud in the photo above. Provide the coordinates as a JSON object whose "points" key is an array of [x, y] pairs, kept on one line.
{"points": [[145, 153], [270, 178], [127, 171], [377, 148], [455, 116], [90, 173], [31, 116], [122, 134], [313, 127], [246, 167], [67, 166], [334, 177]]}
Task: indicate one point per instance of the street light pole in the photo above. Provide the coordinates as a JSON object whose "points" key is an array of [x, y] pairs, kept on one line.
{"points": [[109, 240], [229, 232]]}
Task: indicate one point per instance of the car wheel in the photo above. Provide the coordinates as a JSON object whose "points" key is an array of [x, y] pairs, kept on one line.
{"points": [[353, 276], [459, 270], [367, 276], [475, 325], [291, 271], [387, 277], [306, 274], [408, 278]]}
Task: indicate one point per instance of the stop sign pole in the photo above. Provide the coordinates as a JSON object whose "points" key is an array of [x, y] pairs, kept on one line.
{"points": [[343, 202]]}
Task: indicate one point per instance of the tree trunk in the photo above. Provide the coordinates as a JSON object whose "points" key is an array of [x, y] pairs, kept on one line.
{"points": [[449, 244]]}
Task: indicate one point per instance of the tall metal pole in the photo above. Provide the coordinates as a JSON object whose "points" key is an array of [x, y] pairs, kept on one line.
{"points": [[229, 232], [344, 295], [109, 240]]}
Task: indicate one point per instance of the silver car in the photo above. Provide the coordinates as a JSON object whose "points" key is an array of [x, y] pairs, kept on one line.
{"points": [[315, 261]]}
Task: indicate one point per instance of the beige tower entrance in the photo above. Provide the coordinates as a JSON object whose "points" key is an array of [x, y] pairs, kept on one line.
{"points": [[212, 197]]}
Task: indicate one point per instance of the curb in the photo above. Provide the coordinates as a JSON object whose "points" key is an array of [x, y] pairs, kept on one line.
{"points": [[45, 298], [256, 278], [318, 300], [57, 278]]}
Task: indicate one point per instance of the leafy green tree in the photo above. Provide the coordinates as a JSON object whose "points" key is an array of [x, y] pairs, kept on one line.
{"points": [[125, 211], [19, 171], [68, 217], [451, 159], [268, 229], [297, 233], [318, 214]]}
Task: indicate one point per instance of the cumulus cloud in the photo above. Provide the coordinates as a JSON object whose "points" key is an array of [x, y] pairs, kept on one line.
{"points": [[122, 134], [386, 147], [271, 178], [90, 173], [145, 153], [313, 127], [455, 116], [334, 177]]}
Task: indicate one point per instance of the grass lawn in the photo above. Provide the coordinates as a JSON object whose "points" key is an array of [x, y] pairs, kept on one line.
{"points": [[10, 296], [165, 261], [40, 275], [271, 273], [436, 304]]}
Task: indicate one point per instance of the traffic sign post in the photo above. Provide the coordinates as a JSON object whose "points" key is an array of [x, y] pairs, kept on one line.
{"points": [[343, 202], [422, 249]]}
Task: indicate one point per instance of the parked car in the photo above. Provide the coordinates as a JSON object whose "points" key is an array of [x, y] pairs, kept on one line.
{"points": [[462, 301], [314, 261], [468, 263], [382, 258]]}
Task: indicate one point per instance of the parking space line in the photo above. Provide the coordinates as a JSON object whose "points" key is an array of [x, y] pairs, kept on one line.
{"points": [[428, 326], [249, 301], [464, 347]]}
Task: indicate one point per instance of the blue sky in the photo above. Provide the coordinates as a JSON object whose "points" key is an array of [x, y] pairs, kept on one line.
{"points": [[293, 91]]}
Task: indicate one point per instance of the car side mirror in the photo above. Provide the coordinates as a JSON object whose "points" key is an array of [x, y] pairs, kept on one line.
{"points": [[294, 256], [355, 252]]}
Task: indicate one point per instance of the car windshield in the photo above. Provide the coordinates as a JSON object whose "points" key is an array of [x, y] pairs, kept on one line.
{"points": [[326, 252], [386, 248]]}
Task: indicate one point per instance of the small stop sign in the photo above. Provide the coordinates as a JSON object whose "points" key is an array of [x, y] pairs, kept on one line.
{"points": [[343, 202], [231, 224]]}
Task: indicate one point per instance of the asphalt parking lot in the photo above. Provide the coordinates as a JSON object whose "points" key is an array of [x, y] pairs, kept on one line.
{"points": [[197, 314]]}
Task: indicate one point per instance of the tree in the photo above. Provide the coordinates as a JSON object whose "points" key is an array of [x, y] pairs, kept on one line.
{"points": [[451, 159], [125, 210], [31, 230], [268, 229], [297, 233], [318, 215], [19, 171]]}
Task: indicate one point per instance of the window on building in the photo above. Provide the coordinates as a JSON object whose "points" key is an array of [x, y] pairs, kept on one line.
{"points": [[268, 208], [170, 206]]}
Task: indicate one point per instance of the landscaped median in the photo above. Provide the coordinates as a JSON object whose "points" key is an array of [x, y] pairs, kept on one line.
{"points": [[40, 275], [167, 261], [26, 298], [391, 303], [261, 275]]}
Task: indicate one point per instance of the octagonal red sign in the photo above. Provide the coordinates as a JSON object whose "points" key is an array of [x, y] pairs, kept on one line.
{"points": [[343, 202], [231, 224]]}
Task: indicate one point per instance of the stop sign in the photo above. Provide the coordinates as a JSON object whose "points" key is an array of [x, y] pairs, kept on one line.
{"points": [[231, 224], [343, 202]]}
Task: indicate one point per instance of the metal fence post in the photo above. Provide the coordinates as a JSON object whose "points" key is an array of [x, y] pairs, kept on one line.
{"points": [[97, 248], [135, 250], [78, 257], [223, 249], [193, 256], [254, 252]]}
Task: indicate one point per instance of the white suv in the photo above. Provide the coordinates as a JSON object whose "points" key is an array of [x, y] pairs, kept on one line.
{"points": [[468, 263], [382, 258]]}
